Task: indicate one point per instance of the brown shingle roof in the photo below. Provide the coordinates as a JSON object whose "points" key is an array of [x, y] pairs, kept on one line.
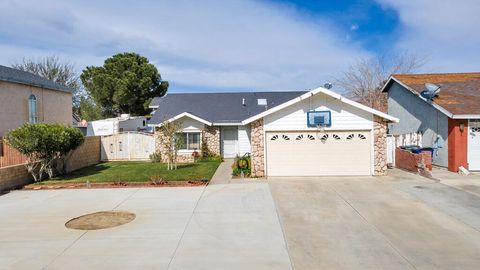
{"points": [[460, 92]]}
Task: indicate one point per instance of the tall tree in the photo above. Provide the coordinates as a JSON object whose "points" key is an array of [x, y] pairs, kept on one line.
{"points": [[126, 83], [54, 69], [364, 80], [88, 110]]}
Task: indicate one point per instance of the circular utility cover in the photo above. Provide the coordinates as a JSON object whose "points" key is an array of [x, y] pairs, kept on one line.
{"points": [[100, 220]]}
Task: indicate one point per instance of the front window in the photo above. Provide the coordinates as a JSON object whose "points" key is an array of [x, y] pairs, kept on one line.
{"points": [[190, 140], [32, 109]]}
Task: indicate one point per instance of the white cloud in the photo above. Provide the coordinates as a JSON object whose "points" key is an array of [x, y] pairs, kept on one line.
{"points": [[446, 32], [220, 44]]}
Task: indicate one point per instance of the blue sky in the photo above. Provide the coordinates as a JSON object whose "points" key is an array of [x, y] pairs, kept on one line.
{"points": [[247, 45]]}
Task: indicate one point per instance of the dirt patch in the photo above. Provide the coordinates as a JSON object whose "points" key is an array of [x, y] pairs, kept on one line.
{"points": [[116, 185], [100, 220]]}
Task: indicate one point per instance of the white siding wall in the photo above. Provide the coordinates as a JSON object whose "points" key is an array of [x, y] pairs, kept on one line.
{"points": [[344, 116], [189, 124], [244, 139]]}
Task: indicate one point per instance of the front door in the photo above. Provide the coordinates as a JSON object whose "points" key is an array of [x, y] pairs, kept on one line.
{"points": [[473, 147], [229, 141]]}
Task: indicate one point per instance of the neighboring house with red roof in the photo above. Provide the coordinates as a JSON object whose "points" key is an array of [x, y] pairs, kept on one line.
{"points": [[448, 122]]}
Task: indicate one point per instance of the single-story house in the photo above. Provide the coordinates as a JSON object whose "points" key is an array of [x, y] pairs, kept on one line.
{"points": [[447, 116], [110, 126], [306, 133], [25, 97]]}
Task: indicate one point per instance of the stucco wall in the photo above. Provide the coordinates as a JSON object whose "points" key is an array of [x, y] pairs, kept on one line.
{"points": [[52, 106], [416, 115]]}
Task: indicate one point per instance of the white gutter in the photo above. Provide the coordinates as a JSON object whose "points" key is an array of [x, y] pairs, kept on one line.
{"points": [[466, 116]]}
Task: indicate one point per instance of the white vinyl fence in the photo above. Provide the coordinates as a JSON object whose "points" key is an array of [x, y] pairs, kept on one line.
{"points": [[128, 146], [394, 141]]}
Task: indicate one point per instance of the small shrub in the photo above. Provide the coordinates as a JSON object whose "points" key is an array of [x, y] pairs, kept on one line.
{"points": [[242, 164], [195, 156], [157, 179], [44, 144], [156, 157], [212, 158], [206, 152]]}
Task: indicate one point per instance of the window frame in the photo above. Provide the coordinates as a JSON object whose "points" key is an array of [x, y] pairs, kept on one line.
{"points": [[186, 149], [32, 109]]}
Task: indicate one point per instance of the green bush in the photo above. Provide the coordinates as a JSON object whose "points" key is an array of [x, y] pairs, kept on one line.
{"points": [[156, 157], [44, 144], [212, 158], [240, 164], [208, 155]]}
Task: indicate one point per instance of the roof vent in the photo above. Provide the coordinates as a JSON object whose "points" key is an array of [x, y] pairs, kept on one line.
{"points": [[431, 91], [262, 102]]}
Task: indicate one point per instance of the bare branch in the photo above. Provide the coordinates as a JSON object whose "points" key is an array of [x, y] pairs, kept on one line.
{"points": [[364, 80]]}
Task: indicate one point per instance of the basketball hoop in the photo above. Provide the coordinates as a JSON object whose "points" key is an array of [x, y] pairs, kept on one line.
{"points": [[321, 128]]}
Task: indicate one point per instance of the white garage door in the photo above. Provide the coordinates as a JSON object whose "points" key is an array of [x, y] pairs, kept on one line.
{"points": [[473, 148], [318, 153]]}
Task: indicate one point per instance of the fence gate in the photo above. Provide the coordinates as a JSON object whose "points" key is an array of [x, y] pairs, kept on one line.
{"points": [[128, 146]]}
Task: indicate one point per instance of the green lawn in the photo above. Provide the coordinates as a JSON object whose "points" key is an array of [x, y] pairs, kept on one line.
{"points": [[138, 172]]}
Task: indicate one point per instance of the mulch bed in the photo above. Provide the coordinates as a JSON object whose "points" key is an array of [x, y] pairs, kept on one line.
{"points": [[117, 185]]}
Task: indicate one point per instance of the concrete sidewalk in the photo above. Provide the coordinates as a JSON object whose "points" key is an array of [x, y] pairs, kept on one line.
{"points": [[214, 227]]}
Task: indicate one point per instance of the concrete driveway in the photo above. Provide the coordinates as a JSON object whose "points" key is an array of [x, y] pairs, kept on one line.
{"points": [[218, 227], [402, 221]]}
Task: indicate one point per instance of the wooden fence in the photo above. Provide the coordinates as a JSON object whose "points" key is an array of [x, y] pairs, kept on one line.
{"points": [[9, 156]]}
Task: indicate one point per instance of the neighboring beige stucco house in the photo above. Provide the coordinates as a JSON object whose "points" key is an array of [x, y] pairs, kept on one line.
{"points": [[25, 97]]}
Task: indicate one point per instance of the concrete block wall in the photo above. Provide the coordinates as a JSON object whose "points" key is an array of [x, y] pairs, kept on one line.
{"points": [[13, 177], [87, 154]]}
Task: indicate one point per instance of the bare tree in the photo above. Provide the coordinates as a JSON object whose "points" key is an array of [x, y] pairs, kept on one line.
{"points": [[364, 80], [54, 69], [170, 141]]}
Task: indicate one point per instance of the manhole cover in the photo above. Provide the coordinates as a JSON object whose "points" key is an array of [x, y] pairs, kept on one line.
{"points": [[100, 220]]}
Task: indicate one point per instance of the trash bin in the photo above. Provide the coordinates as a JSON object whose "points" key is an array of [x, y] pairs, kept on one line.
{"points": [[412, 148]]}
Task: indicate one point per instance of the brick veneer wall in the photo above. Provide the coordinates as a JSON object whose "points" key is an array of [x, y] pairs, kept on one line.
{"points": [[257, 148], [413, 162], [211, 136], [380, 145]]}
